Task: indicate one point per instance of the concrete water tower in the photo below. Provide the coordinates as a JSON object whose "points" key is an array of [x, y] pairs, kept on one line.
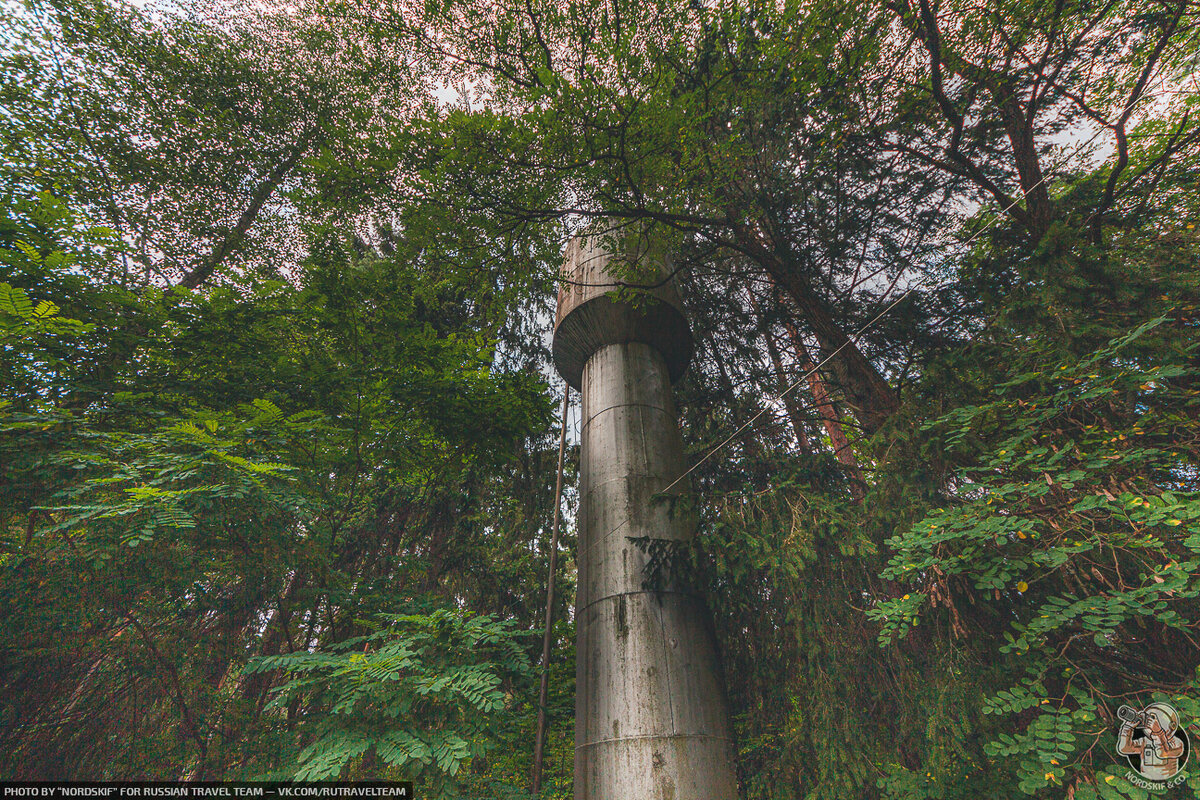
{"points": [[651, 716]]}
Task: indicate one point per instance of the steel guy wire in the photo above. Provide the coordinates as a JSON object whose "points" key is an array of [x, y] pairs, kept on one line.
{"points": [[858, 334], [851, 340]]}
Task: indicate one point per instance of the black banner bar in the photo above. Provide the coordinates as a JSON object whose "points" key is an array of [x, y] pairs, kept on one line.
{"points": [[206, 790]]}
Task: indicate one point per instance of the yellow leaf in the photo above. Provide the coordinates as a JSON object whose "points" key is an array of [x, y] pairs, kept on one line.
{"points": [[1022, 586]]}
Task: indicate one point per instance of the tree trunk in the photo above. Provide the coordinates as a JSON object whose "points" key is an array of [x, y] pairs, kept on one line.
{"points": [[866, 392], [830, 417]]}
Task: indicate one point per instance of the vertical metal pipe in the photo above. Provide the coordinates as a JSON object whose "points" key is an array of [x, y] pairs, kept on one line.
{"points": [[652, 721], [544, 686]]}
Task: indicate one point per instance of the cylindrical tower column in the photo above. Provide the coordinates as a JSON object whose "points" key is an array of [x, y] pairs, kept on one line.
{"points": [[651, 715]]}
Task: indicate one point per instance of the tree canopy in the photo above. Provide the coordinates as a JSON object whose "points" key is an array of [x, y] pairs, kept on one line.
{"points": [[278, 437]]}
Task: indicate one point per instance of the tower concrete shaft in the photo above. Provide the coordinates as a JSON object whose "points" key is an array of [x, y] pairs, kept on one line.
{"points": [[651, 715]]}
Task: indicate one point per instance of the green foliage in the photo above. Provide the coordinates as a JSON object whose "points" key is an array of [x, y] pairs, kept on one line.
{"points": [[220, 473], [130, 488], [273, 381], [446, 669], [1076, 519], [23, 320]]}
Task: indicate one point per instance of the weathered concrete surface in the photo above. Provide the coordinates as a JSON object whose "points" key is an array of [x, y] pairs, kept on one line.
{"points": [[651, 716], [587, 318]]}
